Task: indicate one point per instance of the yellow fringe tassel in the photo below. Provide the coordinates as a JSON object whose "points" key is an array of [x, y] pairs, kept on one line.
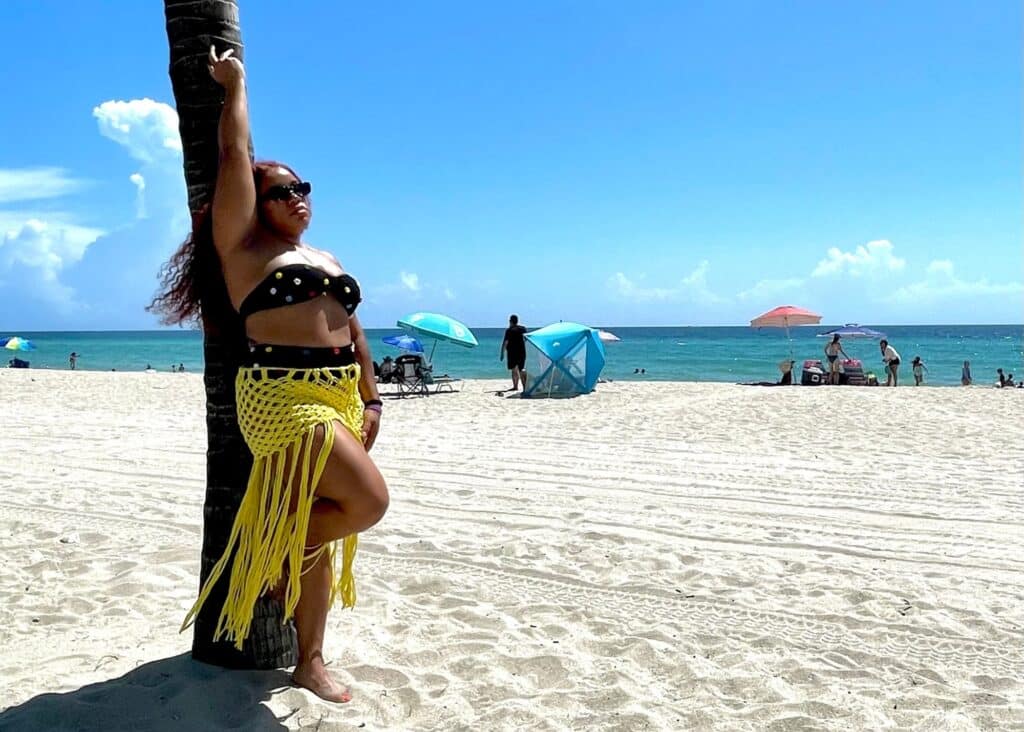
{"points": [[279, 418]]}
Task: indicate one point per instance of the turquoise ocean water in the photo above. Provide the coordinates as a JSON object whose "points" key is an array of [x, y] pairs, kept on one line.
{"points": [[730, 354]]}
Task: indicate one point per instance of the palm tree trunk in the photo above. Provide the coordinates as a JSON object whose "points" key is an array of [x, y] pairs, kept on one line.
{"points": [[192, 25]]}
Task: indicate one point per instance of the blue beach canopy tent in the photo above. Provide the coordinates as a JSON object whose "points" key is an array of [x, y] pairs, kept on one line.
{"points": [[563, 359]]}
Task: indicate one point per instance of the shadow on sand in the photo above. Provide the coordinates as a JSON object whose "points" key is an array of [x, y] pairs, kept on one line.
{"points": [[174, 693]]}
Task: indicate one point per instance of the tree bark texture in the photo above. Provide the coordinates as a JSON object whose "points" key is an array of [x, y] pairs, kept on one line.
{"points": [[192, 26]]}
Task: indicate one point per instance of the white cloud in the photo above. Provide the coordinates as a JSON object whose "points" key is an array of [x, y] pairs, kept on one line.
{"points": [[147, 128], [449, 294], [83, 276], [770, 288], [942, 283], [940, 267], [873, 258], [692, 288], [633, 291], [31, 184], [39, 251], [140, 194], [410, 281]]}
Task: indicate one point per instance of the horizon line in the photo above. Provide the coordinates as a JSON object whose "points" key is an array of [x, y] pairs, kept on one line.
{"points": [[169, 329]]}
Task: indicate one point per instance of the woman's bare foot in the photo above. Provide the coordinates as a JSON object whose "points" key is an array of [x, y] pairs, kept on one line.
{"points": [[313, 675]]}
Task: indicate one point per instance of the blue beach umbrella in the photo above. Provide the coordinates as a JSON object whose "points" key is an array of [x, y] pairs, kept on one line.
{"points": [[14, 343], [852, 330], [440, 328], [405, 342]]}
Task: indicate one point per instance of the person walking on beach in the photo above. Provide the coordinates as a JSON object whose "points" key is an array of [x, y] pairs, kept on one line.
{"points": [[73, 360], [1001, 377], [833, 349], [892, 363], [918, 367], [307, 402], [965, 374], [514, 343]]}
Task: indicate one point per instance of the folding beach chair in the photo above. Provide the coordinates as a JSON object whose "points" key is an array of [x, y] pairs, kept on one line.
{"points": [[409, 373]]}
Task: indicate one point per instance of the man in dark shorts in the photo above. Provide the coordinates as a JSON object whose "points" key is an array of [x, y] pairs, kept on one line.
{"points": [[514, 344]]}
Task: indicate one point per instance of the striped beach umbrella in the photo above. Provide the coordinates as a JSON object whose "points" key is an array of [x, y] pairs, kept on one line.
{"points": [[14, 343]]}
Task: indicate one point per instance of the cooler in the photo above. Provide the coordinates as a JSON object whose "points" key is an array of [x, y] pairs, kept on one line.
{"points": [[853, 373], [813, 374]]}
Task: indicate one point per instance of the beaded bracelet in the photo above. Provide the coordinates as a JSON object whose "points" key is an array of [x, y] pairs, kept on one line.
{"points": [[374, 405]]}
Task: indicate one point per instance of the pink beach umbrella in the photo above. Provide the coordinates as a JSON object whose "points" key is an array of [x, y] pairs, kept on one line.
{"points": [[783, 317]]}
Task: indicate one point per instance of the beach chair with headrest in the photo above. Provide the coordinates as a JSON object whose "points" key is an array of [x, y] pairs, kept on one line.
{"points": [[409, 375]]}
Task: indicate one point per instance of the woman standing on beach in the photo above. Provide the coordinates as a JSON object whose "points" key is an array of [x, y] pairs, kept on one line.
{"points": [[308, 406], [833, 349], [892, 362]]}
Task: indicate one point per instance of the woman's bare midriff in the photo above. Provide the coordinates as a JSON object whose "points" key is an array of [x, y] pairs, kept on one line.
{"points": [[317, 323]]}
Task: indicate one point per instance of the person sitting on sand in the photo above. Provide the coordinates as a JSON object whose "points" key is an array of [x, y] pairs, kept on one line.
{"points": [[1009, 380], [918, 367], [965, 374], [305, 391], [387, 370], [786, 367]]}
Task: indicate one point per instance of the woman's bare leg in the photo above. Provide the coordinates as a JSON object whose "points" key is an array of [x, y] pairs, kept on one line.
{"points": [[351, 497], [310, 622]]}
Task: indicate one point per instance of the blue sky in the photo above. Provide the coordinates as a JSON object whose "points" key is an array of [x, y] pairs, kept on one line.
{"points": [[670, 163]]}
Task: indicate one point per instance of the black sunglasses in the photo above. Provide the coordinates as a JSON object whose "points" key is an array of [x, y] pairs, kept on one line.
{"points": [[300, 188]]}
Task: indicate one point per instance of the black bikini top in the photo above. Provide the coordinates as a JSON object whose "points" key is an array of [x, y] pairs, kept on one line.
{"points": [[295, 283]]}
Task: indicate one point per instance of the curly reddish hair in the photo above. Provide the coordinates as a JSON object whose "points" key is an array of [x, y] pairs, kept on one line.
{"points": [[192, 287]]}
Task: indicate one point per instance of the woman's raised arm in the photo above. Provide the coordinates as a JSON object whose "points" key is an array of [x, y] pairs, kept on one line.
{"points": [[234, 199]]}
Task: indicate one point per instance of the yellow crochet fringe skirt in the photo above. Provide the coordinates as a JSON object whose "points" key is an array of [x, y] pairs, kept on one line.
{"points": [[279, 411]]}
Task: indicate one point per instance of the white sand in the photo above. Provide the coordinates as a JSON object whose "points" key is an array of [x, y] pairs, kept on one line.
{"points": [[652, 556]]}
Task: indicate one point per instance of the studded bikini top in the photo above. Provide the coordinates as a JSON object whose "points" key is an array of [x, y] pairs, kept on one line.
{"points": [[295, 283]]}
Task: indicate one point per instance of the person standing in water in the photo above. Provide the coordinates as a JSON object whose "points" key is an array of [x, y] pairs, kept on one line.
{"points": [[918, 367]]}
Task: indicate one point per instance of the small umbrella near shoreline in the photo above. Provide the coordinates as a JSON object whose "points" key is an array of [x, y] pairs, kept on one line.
{"points": [[404, 342], [14, 343]]}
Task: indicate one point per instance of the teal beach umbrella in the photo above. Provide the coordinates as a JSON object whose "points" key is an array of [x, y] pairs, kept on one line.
{"points": [[440, 328]]}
